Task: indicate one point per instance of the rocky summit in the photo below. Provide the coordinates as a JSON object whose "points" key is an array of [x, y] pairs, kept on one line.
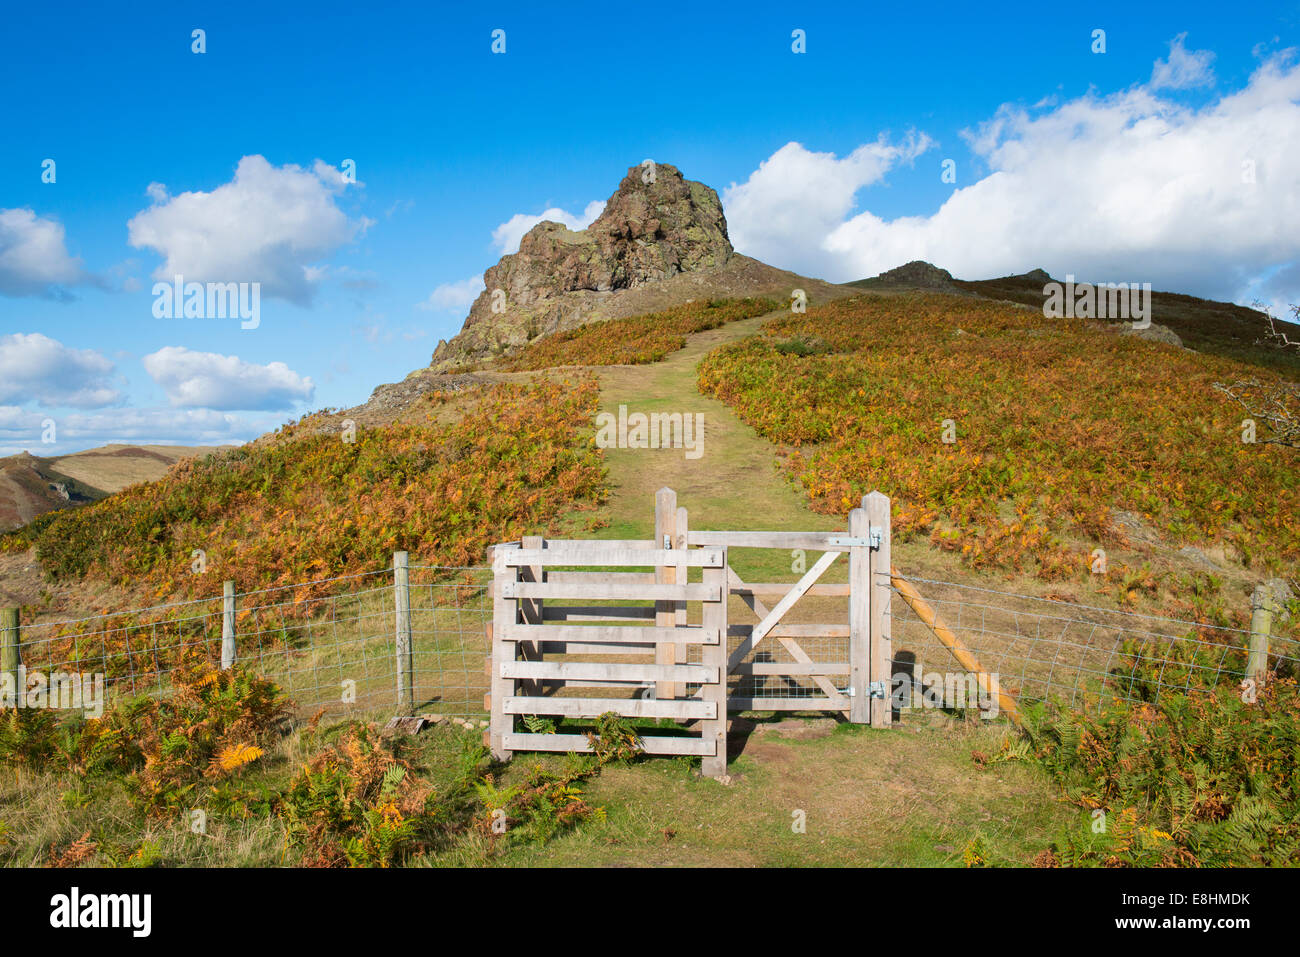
{"points": [[916, 275], [657, 225]]}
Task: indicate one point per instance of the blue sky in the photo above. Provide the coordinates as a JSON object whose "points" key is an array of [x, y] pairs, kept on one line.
{"points": [[1122, 165]]}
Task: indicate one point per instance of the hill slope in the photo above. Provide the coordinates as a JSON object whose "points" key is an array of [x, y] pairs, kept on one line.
{"points": [[31, 485], [1205, 325]]}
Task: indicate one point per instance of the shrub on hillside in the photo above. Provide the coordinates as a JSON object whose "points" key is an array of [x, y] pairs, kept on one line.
{"points": [[318, 507], [636, 340], [1196, 778], [358, 802], [211, 725], [1054, 425]]}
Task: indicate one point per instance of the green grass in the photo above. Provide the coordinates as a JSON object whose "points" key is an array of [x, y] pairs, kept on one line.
{"points": [[908, 797], [871, 798]]}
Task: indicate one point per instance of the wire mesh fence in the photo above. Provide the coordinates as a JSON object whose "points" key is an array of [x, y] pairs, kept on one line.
{"points": [[798, 662], [1077, 655], [330, 644], [450, 612]]}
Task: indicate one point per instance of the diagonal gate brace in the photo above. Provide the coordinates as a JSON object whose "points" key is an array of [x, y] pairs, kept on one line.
{"points": [[773, 617]]}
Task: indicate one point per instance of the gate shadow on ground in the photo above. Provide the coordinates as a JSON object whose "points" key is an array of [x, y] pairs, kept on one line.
{"points": [[741, 729]]}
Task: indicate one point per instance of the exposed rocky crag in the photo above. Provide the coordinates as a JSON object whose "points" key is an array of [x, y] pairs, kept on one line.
{"points": [[656, 244]]}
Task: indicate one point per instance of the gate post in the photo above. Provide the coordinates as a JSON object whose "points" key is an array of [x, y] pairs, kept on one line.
{"points": [[504, 613], [667, 653], [859, 618], [876, 507], [530, 613], [714, 617]]}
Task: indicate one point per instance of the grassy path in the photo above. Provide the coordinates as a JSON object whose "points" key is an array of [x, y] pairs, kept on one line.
{"points": [[909, 796], [734, 484]]}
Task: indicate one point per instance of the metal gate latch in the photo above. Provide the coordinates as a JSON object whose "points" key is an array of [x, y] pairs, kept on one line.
{"points": [[877, 536], [876, 689]]}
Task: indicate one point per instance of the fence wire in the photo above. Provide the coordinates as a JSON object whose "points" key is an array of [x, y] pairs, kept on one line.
{"points": [[330, 644], [1077, 655]]}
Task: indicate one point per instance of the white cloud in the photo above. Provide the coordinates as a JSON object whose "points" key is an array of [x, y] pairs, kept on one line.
{"points": [[454, 295], [506, 236], [1129, 186], [1184, 70], [23, 430], [36, 368], [212, 381], [269, 225], [34, 259], [795, 197]]}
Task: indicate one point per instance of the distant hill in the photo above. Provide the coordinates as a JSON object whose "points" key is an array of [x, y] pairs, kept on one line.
{"points": [[1204, 325], [662, 241], [31, 485], [1222, 328]]}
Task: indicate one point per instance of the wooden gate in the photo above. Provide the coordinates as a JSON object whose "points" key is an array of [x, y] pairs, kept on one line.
{"points": [[572, 660]]}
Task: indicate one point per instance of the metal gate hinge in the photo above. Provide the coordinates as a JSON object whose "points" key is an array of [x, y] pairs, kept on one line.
{"points": [[668, 543], [874, 538]]}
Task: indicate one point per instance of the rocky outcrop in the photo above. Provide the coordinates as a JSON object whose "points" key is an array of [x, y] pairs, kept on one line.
{"points": [[914, 276], [918, 274], [656, 225], [1154, 333]]}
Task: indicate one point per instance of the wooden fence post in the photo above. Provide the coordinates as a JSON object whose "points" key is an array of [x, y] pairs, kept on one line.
{"points": [[876, 507], [666, 653], [402, 618], [860, 567], [679, 544], [715, 656], [227, 625], [11, 657], [504, 613], [1263, 605], [530, 613]]}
